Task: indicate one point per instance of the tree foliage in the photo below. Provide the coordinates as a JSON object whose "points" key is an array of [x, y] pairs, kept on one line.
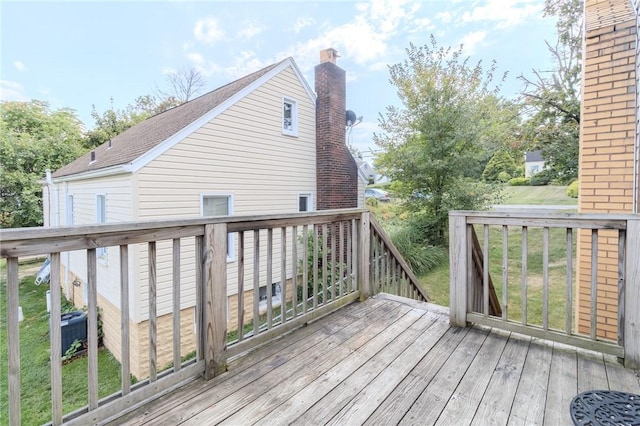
{"points": [[33, 138], [501, 162], [432, 141], [552, 98]]}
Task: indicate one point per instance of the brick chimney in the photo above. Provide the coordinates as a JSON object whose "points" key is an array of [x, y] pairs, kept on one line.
{"points": [[336, 170]]}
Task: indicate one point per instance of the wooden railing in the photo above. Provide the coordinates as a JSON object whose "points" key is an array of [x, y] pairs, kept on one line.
{"points": [[247, 279], [389, 273], [540, 301]]}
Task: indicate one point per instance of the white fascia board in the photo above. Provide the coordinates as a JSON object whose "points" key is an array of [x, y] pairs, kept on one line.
{"points": [[305, 84], [92, 174], [170, 142]]}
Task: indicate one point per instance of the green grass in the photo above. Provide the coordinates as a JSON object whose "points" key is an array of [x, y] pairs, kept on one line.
{"points": [[537, 195], [436, 282], [35, 364]]}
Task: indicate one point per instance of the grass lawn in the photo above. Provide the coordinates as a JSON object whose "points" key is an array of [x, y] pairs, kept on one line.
{"points": [[537, 195], [35, 364], [436, 282]]}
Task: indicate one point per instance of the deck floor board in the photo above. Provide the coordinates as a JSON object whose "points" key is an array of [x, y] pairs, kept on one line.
{"points": [[388, 362]]}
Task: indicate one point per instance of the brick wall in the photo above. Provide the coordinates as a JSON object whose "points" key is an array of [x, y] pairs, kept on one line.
{"points": [[336, 170], [607, 144]]}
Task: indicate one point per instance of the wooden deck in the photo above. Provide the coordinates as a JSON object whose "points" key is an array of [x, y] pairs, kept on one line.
{"points": [[388, 361]]}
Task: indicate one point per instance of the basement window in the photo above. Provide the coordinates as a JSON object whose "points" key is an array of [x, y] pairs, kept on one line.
{"points": [[289, 117], [305, 203]]}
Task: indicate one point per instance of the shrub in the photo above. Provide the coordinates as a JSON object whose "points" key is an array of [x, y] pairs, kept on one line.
{"points": [[371, 202], [572, 189], [503, 177], [420, 256], [542, 178], [519, 181]]}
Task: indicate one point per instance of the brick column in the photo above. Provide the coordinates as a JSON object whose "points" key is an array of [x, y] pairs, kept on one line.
{"points": [[607, 144]]}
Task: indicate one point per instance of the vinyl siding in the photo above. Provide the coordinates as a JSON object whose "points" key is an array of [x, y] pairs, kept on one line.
{"points": [[117, 191], [242, 153]]}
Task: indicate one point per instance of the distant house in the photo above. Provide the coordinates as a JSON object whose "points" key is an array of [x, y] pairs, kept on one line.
{"points": [[265, 143], [533, 163], [366, 170]]}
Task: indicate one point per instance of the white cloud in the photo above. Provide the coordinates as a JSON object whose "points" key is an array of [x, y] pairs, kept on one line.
{"points": [[504, 13], [471, 41], [365, 39], [19, 65], [196, 58], [251, 29], [444, 17], [302, 23], [208, 31], [12, 91]]}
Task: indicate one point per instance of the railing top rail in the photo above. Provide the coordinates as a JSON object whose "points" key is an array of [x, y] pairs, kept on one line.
{"points": [[34, 241], [548, 219], [522, 214]]}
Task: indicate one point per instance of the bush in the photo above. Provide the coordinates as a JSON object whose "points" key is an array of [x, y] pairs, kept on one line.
{"points": [[503, 177], [572, 189], [371, 202], [519, 181], [421, 257], [542, 178]]}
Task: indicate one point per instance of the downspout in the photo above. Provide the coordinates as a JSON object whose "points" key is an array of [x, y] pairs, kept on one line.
{"points": [[53, 199], [67, 256]]}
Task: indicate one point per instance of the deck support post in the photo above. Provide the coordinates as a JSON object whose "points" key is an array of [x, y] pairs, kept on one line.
{"points": [[458, 259], [215, 300], [363, 263], [631, 314]]}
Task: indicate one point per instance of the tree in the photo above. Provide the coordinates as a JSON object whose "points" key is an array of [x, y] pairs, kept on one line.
{"points": [[552, 98], [33, 138], [184, 85], [501, 162], [431, 142]]}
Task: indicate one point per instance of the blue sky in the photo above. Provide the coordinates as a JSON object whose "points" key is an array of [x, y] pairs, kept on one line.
{"points": [[83, 53]]}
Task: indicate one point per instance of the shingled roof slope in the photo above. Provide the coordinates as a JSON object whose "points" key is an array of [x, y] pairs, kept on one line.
{"points": [[139, 139]]}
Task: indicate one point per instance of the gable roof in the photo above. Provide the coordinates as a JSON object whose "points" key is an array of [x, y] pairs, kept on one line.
{"points": [[533, 156], [143, 142]]}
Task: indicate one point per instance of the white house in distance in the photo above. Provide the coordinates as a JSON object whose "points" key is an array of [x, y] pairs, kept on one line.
{"points": [[258, 145], [533, 163]]}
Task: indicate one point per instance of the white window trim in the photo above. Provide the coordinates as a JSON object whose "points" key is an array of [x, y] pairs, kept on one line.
{"points": [[309, 195], [294, 116], [231, 247]]}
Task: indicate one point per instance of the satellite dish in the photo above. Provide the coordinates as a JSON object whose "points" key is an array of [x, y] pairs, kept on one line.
{"points": [[351, 118]]}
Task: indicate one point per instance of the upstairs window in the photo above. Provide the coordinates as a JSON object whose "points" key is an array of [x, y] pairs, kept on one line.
{"points": [[289, 117]]}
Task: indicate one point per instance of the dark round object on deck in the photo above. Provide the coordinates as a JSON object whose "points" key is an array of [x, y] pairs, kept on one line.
{"points": [[605, 407]]}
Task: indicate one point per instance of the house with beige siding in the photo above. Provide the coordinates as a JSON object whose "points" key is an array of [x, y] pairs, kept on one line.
{"points": [[609, 148], [261, 144]]}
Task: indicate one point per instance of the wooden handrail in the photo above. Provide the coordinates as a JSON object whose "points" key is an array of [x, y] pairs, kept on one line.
{"points": [[377, 229]]}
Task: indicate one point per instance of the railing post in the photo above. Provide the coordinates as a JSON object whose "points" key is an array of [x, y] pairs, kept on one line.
{"points": [[363, 264], [215, 300], [632, 296], [458, 258]]}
